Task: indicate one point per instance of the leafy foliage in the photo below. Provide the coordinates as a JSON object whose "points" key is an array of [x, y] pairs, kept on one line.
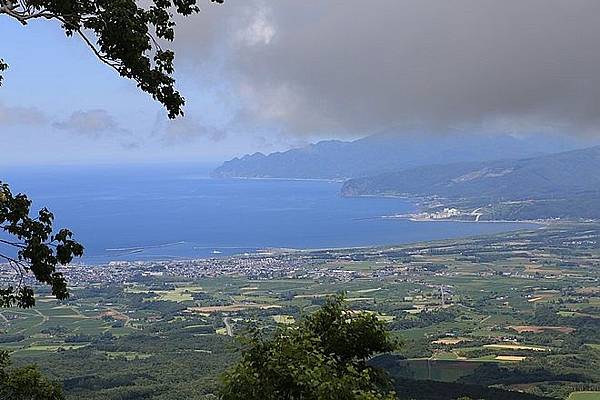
{"points": [[321, 358], [126, 37], [122, 34], [3, 67], [38, 250], [26, 383]]}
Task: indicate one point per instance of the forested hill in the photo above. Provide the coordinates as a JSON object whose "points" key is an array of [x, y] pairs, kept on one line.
{"points": [[389, 152], [557, 180], [572, 172]]}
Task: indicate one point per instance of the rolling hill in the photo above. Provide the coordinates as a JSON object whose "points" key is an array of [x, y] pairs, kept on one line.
{"points": [[563, 185]]}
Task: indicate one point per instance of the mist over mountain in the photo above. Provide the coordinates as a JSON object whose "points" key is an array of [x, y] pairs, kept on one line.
{"points": [[390, 152]]}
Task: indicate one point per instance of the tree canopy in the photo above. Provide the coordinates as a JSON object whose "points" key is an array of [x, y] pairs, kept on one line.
{"points": [[26, 383], [127, 37], [122, 34], [38, 250], [322, 358]]}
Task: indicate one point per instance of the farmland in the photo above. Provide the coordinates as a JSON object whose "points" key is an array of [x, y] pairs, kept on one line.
{"points": [[585, 396], [517, 311]]}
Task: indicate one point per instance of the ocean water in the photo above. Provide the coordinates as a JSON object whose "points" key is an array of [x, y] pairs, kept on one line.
{"points": [[177, 211]]}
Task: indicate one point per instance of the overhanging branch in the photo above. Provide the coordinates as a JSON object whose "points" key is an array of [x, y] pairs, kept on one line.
{"points": [[20, 11]]}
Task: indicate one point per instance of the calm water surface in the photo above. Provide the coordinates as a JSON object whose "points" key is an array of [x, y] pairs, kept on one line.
{"points": [[176, 211]]}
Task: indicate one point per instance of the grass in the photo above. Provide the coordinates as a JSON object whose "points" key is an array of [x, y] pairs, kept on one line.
{"points": [[221, 331], [445, 356], [284, 319], [52, 347], [178, 295], [368, 290], [385, 296], [386, 318], [49, 314], [584, 396], [128, 355], [515, 347]]}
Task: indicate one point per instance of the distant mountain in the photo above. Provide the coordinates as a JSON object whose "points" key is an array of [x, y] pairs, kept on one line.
{"points": [[389, 152], [558, 185]]}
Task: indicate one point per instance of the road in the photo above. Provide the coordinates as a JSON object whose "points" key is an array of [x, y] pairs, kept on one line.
{"points": [[228, 326]]}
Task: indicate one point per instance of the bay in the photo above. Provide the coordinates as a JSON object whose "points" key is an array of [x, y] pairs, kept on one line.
{"points": [[144, 212]]}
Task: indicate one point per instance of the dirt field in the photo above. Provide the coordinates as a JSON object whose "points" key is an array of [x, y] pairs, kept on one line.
{"points": [[541, 329], [231, 308], [114, 315], [515, 347], [510, 358], [448, 341]]}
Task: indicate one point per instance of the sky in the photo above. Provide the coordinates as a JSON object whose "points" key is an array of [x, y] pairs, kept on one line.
{"points": [[265, 76]]}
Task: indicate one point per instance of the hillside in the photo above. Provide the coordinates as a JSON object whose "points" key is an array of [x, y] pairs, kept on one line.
{"points": [[541, 187], [389, 152]]}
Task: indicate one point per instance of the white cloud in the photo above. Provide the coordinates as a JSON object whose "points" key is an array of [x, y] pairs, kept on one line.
{"points": [[259, 30]]}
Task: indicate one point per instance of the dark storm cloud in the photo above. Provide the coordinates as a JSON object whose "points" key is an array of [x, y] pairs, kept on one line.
{"points": [[355, 66]]}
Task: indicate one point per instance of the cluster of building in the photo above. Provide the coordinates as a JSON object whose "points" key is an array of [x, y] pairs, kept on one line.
{"points": [[293, 265]]}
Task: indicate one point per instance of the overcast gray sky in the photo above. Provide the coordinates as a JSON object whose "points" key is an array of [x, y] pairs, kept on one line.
{"points": [[266, 75]]}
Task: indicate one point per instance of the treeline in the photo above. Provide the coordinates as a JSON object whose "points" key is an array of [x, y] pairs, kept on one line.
{"points": [[421, 320], [168, 363], [408, 389], [552, 373]]}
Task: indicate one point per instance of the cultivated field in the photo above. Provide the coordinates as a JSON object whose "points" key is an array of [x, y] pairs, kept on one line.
{"points": [[476, 310]]}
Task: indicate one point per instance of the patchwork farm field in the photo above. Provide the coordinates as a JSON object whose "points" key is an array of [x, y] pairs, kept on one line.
{"points": [[585, 396], [516, 310]]}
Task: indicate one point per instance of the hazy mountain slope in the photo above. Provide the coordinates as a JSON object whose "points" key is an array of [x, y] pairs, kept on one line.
{"points": [[389, 152], [539, 177], [558, 185]]}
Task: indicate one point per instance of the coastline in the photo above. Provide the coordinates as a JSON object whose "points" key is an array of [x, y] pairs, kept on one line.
{"points": [[426, 214], [248, 178], [273, 251], [495, 221], [203, 246], [417, 200]]}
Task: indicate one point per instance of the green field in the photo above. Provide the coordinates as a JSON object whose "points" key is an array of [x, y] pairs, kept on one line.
{"points": [[585, 396], [506, 298]]}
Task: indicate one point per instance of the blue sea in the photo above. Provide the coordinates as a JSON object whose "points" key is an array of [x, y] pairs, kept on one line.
{"points": [[146, 212]]}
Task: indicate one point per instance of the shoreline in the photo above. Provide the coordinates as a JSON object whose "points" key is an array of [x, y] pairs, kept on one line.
{"points": [[495, 221], [266, 251], [441, 202], [137, 253], [247, 178]]}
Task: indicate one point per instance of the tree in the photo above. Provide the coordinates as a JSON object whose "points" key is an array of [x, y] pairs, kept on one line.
{"points": [[26, 383], [121, 34], [322, 358], [127, 38], [38, 250]]}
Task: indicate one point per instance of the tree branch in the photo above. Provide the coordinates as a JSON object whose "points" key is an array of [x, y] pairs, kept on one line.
{"points": [[14, 244]]}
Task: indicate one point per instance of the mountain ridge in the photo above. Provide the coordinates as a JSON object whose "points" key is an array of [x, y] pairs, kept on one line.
{"points": [[562, 185], [389, 152]]}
